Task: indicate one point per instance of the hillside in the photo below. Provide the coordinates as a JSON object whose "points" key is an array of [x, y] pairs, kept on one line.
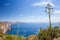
{"points": [[10, 37]]}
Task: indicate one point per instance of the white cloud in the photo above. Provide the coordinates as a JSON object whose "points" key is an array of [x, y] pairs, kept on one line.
{"points": [[57, 11], [40, 19], [36, 19], [55, 19], [44, 3]]}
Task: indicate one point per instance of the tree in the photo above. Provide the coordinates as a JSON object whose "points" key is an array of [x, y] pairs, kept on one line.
{"points": [[49, 10]]}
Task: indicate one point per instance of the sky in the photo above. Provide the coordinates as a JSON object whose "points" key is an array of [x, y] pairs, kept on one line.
{"points": [[28, 10]]}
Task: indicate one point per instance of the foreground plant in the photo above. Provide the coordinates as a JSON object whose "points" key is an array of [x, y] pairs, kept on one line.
{"points": [[48, 34]]}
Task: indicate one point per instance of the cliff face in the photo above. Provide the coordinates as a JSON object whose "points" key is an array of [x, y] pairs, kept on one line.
{"points": [[4, 27]]}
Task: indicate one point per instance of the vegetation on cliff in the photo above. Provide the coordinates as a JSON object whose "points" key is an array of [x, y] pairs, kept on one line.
{"points": [[10, 37], [49, 33]]}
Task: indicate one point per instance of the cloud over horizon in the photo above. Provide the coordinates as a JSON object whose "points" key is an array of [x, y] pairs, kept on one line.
{"points": [[40, 19]]}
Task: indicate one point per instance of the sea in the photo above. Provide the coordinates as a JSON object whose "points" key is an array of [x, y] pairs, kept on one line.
{"points": [[26, 29]]}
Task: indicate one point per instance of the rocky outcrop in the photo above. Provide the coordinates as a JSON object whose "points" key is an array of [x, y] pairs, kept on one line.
{"points": [[4, 27], [32, 37]]}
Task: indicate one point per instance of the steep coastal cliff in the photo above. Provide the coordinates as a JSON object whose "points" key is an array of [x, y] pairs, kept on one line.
{"points": [[4, 27]]}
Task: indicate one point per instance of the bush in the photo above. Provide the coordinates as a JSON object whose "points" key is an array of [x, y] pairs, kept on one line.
{"points": [[48, 34]]}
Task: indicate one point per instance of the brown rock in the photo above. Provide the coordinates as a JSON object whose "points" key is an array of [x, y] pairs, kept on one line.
{"points": [[32, 37]]}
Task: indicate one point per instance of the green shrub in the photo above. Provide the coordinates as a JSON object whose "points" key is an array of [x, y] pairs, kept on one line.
{"points": [[49, 33]]}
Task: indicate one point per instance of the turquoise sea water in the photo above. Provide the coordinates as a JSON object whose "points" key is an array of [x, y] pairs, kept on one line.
{"points": [[26, 29]]}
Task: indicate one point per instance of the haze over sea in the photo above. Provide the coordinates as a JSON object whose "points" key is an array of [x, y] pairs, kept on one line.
{"points": [[26, 29]]}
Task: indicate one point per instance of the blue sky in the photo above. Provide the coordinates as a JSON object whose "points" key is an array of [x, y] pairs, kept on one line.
{"points": [[28, 10]]}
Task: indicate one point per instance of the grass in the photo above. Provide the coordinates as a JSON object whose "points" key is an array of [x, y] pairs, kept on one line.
{"points": [[10, 37]]}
